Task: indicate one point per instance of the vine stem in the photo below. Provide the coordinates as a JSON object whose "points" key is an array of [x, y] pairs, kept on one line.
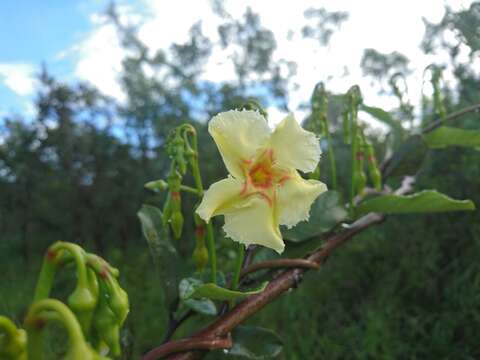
{"points": [[290, 278], [238, 269], [452, 116], [212, 252], [279, 263], [188, 344], [278, 286]]}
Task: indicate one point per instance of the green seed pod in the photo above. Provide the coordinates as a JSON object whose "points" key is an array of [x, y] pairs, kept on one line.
{"points": [[176, 223], [373, 170], [200, 253], [118, 300], [105, 323], [82, 302]]}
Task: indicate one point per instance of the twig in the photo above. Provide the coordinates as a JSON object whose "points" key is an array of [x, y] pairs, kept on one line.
{"points": [[281, 284], [452, 116], [280, 263], [174, 324], [193, 343]]}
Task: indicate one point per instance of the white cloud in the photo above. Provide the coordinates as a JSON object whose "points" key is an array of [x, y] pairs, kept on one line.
{"points": [[18, 77], [386, 26]]}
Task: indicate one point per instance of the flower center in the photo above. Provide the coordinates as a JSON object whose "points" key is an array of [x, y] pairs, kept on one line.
{"points": [[261, 175]]}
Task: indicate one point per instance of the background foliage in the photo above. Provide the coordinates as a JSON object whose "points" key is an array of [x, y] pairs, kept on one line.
{"points": [[407, 289]]}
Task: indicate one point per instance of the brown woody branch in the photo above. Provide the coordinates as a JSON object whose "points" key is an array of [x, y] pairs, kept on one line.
{"points": [[279, 263], [281, 284], [452, 116], [212, 337], [188, 344]]}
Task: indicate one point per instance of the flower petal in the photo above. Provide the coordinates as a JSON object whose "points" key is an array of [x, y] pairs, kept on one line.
{"points": [[218, 197], [239, 135], [295, 197], [254, 223], [294, 147]]}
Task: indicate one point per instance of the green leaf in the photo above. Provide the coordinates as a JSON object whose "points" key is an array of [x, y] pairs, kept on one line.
{"points": [[325, 213], [409, 157], [164, 254], [201, 306], [427, 201], [383, 116], [448, 136], [194, 288], [256, 343], [386, 118]]}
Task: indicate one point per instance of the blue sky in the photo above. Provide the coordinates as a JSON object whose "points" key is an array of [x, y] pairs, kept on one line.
{"points": [[33, 32], [76, 43]]}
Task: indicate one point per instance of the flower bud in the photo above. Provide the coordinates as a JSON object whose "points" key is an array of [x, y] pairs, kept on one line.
{"points": [[118, 301], [105, 323], [200, 253], [176, 223], [157, 185], [13, 341], [82, 302]]}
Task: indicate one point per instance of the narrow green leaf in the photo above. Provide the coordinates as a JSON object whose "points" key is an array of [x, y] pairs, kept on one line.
{"points": [[427, 201], [409, 157], [383, 116], [449, 136], [325, 213], [255, 343], [191, 288], [164, 254]]}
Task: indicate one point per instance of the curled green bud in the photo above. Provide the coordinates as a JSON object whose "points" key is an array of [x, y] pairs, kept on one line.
{"points": [[13, 341], [157, 185], [118, 300], [48, 310], [106, 324], [82, 301]]}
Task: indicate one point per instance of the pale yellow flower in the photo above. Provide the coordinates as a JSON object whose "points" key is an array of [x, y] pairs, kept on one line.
{"points": [[264, 189]]}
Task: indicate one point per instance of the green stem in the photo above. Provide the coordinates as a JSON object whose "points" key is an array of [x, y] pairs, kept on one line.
{"points": [[212, 252], [7, 327], [353, 142], [238, 268], [50, 310], [331, 157], [189, 189]]}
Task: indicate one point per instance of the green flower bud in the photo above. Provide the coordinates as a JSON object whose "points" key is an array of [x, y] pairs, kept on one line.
{"points": [[118, 300], [106, 325], [157, 185], [176, 223], [82, 301], [200, 253], [13, 341]]}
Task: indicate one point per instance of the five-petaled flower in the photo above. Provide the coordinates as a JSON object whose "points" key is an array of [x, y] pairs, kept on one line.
{"points": [[264, 189]]}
